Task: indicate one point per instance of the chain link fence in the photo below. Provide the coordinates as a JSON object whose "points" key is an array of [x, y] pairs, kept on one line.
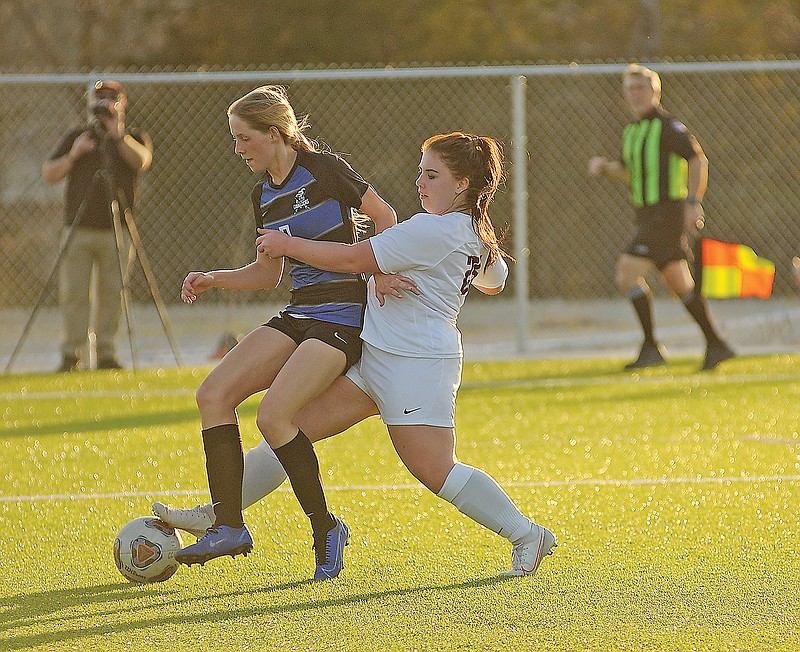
{"points": [[194, 209]]}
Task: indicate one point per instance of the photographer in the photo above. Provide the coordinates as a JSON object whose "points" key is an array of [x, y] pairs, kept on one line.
{"points": [[101, 162]]}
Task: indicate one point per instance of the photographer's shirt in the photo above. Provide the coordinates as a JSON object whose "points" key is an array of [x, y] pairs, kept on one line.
{"points": [[83, 182]]}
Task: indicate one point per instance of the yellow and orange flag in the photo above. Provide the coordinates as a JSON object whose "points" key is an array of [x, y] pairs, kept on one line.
{"points": [[734, 270]]}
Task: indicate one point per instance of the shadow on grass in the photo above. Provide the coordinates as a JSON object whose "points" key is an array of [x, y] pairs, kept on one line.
{"points": [[36, 609], [645, 392], [578, 373], [117, 422], [664, 382], [29, 609]]}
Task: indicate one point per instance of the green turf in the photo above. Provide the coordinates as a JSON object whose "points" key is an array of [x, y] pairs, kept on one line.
{"points": [[674, 496]]}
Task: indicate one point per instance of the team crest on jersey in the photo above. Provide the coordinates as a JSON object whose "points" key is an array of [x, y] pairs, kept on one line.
{"points": [[301, 202]]}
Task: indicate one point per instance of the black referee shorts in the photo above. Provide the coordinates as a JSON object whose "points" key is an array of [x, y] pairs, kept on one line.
{"points": [[345, 338], [662, 240]]}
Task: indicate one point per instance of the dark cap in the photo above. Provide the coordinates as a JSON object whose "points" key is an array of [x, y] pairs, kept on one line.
{"points": [[108, 85]]}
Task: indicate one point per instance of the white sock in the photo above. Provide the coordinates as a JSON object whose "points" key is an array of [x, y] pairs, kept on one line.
{"points": [[263, 474], [478, 496]]}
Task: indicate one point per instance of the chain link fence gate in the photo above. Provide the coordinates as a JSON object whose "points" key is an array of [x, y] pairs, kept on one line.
{"points": [[194, 212]]}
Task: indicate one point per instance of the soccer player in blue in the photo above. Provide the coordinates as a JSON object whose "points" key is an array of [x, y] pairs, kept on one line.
{"points": [[410, 369], [315, 339]]}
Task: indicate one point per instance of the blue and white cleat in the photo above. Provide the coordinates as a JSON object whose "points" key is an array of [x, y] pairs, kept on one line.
{"points": [[330, 561], [528, 554], [219, 540]]}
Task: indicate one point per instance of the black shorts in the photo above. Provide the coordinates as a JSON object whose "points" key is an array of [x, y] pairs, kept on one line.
{"points": [[662, 239], [345, 338]]}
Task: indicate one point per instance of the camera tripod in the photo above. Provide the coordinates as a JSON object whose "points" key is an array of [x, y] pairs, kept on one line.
{"points": [[120, 210]]}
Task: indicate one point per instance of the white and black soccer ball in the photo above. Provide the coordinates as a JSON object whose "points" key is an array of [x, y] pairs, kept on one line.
{"points": [[144, 550]]}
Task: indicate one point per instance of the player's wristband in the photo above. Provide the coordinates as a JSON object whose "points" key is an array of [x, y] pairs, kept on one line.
{"points": [[691, 199]]}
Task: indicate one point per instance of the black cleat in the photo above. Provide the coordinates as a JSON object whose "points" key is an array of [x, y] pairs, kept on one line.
{"points": [[717, 354], [651, 355]]}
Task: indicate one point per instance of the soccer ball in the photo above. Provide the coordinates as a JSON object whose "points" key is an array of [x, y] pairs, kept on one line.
{"points": [[144, 550]]}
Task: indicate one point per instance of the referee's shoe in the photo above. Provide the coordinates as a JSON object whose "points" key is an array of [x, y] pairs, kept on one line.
{"points": [[651, 355], [716, 354]]}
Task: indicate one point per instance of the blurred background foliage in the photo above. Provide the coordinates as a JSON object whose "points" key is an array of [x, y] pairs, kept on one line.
{"points": [[75, 35]]}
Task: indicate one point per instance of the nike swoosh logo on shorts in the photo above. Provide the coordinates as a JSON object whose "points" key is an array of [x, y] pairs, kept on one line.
{"points": [[339, 337], [407, 411]]}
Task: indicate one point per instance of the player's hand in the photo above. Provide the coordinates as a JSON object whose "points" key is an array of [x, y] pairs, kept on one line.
{"points": [[194, 284], [393, 285], [271, 242], [597, 165]]}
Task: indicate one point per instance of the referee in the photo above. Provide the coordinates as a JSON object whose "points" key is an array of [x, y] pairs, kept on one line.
{"points": [[667, 172]]}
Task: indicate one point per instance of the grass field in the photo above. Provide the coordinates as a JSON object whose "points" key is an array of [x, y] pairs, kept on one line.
{"points": [[674, 495]]}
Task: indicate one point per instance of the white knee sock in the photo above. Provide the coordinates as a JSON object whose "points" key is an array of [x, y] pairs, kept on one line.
{"points": [[478, 496], [263, 474]]}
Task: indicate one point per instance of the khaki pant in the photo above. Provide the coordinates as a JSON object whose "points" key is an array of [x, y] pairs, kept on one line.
{"points": [[90, 249]]}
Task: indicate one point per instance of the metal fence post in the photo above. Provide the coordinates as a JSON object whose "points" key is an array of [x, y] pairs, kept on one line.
{"points": [[519, 159]]}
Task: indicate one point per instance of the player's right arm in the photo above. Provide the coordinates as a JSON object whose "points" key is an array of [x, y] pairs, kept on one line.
{"points": [[600, 166], [262, 274]]}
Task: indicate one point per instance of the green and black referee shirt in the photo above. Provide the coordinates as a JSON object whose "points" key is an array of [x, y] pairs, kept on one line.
{"points": [[655, 152]]}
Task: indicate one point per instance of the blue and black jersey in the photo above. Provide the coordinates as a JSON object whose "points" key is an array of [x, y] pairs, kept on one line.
{"points": [[316, 202], [655, 151]]}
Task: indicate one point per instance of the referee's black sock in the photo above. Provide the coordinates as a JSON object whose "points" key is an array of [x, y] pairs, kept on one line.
{"points": [[697, 307], [225, 470], [302, 466], [642, 300]]}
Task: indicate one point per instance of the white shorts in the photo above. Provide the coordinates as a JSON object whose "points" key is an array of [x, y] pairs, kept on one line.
{"points": [[409, 391]]}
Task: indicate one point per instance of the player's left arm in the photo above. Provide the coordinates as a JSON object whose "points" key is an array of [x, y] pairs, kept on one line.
{"points": [[492, 278], [694, 218]]}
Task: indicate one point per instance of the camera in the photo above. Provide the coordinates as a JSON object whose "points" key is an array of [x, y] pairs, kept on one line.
{"points": [[97, 129], [102, 109]]}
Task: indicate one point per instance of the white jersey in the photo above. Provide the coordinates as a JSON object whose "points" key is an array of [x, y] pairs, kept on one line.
{"points": [[442, 254]]}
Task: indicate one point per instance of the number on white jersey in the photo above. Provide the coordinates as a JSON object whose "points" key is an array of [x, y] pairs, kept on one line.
{"points": [[473, 267]]}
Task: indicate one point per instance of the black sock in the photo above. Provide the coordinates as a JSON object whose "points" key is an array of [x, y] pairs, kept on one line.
{"points": [[697, 306], [225, 470], [302, 466], [642, 301]]}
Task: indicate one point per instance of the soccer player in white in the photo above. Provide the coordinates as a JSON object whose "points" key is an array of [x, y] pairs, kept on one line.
{"points": [[410, 367]]}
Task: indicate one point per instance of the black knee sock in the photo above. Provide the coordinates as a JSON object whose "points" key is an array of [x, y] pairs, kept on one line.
{"points": [[642, 300], [302, 466], [225, 470], [697, 306]]}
